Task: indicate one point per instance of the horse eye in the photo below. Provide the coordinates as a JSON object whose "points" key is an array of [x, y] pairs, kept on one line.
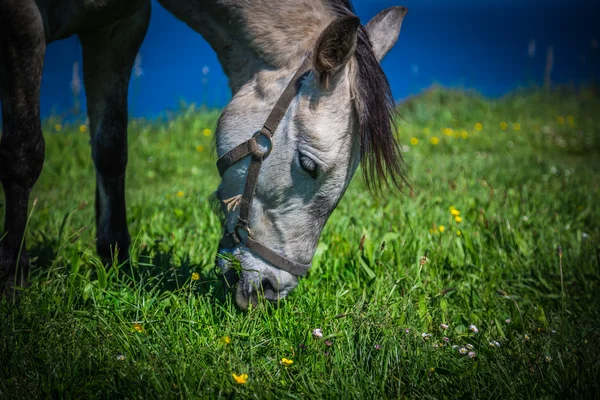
{"points": [[308, 165]]}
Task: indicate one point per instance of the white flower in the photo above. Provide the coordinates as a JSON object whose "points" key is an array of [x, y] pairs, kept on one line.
{"points": [[444, 326], [507, 321], [469, 346], [526, 337], [584, 235], [497, 344], [473, 328], [548, 359], [463, 351], [454, 346], [317, 333], [425, 335], [472, 354], [121, 357]]}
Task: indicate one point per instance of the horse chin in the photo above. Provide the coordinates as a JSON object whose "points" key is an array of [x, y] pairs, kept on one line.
{"points": [[257, 282]]}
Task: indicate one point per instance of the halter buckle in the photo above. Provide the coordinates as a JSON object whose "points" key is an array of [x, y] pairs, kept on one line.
{"points": [[243, 227], [269, 138]]}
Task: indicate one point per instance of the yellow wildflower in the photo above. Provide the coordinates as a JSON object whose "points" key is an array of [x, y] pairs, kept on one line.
{"points": [[441, 228], [414, 141], [517, 126], [503, 125], [58, 127], [225, 340], [560, 120], [478, 126], [207, 132], [457, 218], [195, 276], [138, 327], [570, 120], [458, 233], [180, 194], [287, 362], [454, 211], [464, 134], [448, 131], [82, 128], [199, 148], [240, 379], [434, 141]]}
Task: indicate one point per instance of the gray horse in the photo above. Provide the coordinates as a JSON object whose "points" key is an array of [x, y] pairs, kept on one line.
{"points": [[337, 111]]}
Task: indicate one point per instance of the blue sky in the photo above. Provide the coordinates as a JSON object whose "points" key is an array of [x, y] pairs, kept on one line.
{"points": [[478, 45]]}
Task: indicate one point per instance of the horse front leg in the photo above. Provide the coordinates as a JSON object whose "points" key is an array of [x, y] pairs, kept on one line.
{"points": [[108, 57], [22, 49]]}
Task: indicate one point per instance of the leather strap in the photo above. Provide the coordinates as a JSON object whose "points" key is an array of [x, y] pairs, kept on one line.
{"points": [[250, 147]]}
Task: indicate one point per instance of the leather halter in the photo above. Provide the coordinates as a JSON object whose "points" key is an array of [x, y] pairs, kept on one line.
{"points": [[250, 148]]}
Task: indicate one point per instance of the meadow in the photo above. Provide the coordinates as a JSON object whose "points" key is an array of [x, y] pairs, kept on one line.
{"points": [[480, 280]]}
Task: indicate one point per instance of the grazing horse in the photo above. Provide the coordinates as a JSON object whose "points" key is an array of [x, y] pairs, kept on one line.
{"points": [[310, 101]]}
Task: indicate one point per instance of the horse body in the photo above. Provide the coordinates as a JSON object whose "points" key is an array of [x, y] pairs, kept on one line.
{"points": [[337, 118]]}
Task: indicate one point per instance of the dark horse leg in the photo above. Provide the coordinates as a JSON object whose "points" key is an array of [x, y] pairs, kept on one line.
{"points": [[108, 57], [22, 48]]}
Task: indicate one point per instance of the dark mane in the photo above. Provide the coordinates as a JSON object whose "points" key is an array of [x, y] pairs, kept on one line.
{"points": [[380, 152]]}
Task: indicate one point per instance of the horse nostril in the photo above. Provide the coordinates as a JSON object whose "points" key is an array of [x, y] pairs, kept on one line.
{"points": [[269, 289]]}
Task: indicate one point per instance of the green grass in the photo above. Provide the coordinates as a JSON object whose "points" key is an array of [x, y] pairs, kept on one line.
{"points": [[520, 192]]}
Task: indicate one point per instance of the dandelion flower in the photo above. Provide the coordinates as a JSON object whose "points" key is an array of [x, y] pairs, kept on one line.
{"points": [[441, 228], [199, 148], [464, 134], [454, 211], [138, 327], [287, 362], [473, 328], [82, 128], [180, 194], [463, 351], [570, 120], [431, 370], [503, 125], [195, 276], [434, 140], [317, 333], [478, 126], [207, 132], [448, 131], [225, 340], [458, 233], [444, 326], [517, 126], [57, 127], [458, 218], [560, 120], [240, 379], [414, 141], [472, 354]]}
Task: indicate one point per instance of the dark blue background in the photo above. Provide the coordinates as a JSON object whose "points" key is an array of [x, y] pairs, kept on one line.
{"points": [[463, 44]]}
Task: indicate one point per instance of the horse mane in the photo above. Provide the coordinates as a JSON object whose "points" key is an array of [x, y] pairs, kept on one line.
{"points": [[380, 152]]}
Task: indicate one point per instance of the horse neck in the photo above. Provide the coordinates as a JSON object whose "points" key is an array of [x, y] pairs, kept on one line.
{"points": [[249, 36]]}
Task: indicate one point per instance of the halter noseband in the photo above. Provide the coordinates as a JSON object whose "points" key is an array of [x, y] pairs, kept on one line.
{"points": [[250, 148]]}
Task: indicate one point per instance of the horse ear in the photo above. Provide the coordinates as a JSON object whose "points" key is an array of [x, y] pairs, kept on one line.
{"points": [[335, 47], [384, 29]]}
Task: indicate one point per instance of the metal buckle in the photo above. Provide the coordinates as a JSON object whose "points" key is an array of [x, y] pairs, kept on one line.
{"points": [[269, 137], [244, 227]]}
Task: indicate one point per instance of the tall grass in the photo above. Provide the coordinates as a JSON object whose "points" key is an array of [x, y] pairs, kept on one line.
{"points": [[521, 174]]}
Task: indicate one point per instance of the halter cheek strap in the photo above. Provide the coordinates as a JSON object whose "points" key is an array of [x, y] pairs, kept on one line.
{"points": [[250, 148]]}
